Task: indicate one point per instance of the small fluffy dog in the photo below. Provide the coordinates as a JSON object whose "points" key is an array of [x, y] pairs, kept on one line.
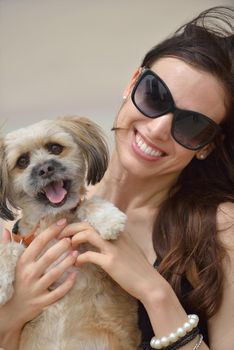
{"points": [[44, 169]]}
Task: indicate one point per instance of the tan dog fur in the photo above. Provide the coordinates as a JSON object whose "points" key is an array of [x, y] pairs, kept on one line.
{"points": [[96, 314]]}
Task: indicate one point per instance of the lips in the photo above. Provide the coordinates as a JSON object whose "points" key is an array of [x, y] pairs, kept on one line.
{"points": [[55, 192]]}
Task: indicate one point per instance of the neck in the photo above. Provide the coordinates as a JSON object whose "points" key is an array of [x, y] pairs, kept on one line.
{"points": [[127, 191]]}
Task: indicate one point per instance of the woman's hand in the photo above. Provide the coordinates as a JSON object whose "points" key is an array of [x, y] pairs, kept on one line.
{"points": [[32, 279], [125, 262], [122, 259]]}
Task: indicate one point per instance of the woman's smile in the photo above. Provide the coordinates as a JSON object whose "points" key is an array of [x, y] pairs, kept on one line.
{"points": [[145, 149]]}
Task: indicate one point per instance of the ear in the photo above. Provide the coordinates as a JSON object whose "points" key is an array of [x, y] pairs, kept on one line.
{"points": [[132, 82], [90, 139], [5, 198], [204, 152]]}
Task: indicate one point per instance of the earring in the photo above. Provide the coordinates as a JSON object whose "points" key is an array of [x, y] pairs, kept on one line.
{"points": [[124, 97], [200, 156]]}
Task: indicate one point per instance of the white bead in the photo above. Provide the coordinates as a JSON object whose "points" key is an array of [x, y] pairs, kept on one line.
{"points": [[180, 332], [165, 341], [193, 322], [187, 327], [173, 337], [155, 343], [193, 316]]}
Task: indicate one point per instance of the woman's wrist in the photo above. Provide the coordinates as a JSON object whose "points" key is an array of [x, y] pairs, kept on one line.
{"points": [[163, 307], [10, 340], [165, 311], [10, 327], [156, 292]]}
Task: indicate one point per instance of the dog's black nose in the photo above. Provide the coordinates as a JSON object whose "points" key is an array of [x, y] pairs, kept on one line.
{"points": [[46, 170]]}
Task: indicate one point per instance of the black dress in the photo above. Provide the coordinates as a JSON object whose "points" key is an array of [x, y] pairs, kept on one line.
{"points": [[147, 330]]}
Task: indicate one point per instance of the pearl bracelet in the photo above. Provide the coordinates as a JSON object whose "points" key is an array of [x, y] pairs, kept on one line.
{"points": [[179, 333]]}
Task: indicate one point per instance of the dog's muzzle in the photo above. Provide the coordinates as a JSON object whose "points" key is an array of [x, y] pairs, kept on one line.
{"points": [[49, 177]]}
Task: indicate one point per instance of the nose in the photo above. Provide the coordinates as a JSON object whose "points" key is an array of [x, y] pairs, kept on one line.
{"points": [[160, 128], [46, 170]]}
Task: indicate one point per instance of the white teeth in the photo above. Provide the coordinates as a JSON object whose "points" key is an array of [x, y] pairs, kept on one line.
{"points": [[146, 148]]}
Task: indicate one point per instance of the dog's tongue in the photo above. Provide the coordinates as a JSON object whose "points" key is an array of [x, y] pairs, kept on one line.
{"points": [[55, 192]]}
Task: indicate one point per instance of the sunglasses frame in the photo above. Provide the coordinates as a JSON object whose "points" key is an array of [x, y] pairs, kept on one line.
{"points": [[173, 109]]}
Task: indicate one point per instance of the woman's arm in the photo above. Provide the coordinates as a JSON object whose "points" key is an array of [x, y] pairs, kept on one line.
{"points": [[32, 281]]}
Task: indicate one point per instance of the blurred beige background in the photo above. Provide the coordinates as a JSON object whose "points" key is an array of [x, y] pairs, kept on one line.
{"points": [[76, 56]]}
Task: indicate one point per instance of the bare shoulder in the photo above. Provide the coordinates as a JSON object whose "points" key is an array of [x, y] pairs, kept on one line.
{"points": [[221, 324], [225, 224]]}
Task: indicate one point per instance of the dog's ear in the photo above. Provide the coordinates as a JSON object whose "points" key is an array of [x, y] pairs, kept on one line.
{"points": [[6, 201], [90, 139]]}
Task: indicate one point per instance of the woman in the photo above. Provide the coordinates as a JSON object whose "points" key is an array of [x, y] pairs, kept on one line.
{"points": [[172, 173]]}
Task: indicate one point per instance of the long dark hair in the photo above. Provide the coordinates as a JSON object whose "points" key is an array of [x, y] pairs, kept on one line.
{"points": [[185, 233]]}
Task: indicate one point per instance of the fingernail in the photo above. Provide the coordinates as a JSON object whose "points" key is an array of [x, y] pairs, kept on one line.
{"points": [[74, 253], [61, 222]]}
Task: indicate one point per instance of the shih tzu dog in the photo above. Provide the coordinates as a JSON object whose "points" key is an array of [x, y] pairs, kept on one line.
{"points": [[44, 169]]}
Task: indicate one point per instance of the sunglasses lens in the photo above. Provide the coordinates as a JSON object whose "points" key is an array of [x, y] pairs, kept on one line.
{"points": [[151, 97], [192, 130]]}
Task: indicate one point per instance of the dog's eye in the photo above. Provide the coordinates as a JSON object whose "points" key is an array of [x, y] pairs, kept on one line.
{"points": [[23, 161], [54, 148]]}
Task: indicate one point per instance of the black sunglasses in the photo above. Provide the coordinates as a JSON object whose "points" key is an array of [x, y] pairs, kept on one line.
{"points": [[152, 98]]}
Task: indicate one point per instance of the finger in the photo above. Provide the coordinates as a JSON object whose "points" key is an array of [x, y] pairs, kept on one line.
{"points": [[55, 273], [40, 242], [72, 229], [59, 292], [91, 257], [52, 254], [6, 236], [88, 236]]}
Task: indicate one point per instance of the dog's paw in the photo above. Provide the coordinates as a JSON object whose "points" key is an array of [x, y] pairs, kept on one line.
{"points": [[9, 254], [108, 220]]}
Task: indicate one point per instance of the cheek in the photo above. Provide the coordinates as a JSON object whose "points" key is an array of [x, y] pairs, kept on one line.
{"points": [[127, 115], [74, 161], [123, 141], [74, 167], [19, 179], [73, 157], [183, 156]]}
